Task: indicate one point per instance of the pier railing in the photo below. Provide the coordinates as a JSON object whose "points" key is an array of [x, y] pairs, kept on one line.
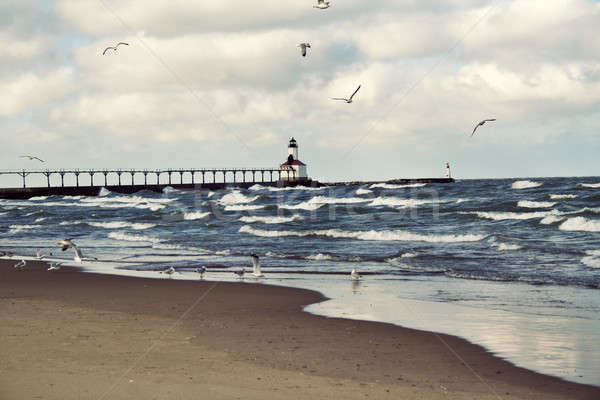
{"points": [[246, 175]]}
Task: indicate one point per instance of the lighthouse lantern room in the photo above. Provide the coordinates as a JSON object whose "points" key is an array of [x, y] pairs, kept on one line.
{"points": [[293, 169]]}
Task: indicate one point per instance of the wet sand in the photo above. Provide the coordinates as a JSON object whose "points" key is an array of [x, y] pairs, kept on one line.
{"points": [[72, 335]]}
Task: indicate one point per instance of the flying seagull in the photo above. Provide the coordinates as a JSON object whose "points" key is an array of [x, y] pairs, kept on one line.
{"points": [[40, 256], [114, 47], [32, 158], [303, 47], [322, 4], [354, 275], [20, 265], [54, 266], [256, 266], [481, 123], [66, 243], [347, 100]]}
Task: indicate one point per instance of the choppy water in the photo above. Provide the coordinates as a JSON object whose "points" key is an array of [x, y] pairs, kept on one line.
{"points": [[511, 264]]}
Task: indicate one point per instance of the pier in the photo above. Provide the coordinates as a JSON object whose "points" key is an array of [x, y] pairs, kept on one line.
{"points": [[89, 182]]}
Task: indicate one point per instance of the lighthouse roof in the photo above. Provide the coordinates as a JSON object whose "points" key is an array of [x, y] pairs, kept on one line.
{"points": [[295, 162]]}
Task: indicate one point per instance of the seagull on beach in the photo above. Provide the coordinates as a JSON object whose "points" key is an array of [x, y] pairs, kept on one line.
{"points": [[169, 271], [201, 271], [32, 158], [240, 273], [114, 47], [349, 100], [303, 47], [481, 124], [256, 266], [354, 275], [40, 256], [322, 4], [54, 266], [20, 265]]}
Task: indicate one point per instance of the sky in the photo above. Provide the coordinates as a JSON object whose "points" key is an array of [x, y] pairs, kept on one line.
{"points": [[217, 83]]}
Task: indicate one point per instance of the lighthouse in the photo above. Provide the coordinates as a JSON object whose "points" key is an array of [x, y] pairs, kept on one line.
{"points": [[293, 169]]}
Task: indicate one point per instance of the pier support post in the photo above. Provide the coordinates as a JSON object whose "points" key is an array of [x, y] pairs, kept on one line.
{"points": [[62, 178], [193, 174], [169, 172], [48, 173], [145, 177], [105, 173], [23, 174], [132, 177], [76, 178], [119, 175], [91, 177], [202, 177]]}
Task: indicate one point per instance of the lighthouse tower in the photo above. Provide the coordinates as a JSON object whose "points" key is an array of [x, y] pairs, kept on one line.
{"points": [[293, 169]]}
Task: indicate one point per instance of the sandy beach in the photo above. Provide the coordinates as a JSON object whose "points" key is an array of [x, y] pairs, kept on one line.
{"points": [[73, 335]]}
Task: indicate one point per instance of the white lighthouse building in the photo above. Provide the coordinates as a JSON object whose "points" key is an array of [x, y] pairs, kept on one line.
{"points": [[293, 169]]}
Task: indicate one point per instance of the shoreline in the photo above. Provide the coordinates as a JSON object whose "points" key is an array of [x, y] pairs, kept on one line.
{"points": [[255, 340]]}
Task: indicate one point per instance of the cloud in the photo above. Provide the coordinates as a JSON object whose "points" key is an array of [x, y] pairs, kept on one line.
{"points": [[29, 90]]}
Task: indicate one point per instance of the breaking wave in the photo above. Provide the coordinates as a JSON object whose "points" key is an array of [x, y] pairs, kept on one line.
{"points": [[525, 184], [119, 224], [236, 197], [243, 207], [535, 204], [590, 185], [580, 224], [195, 215], [307, 205], [396, 235], [498, 216], [562, 196], [394, 186], [592, 259], [361, 191], [270, 220], [507, 246], [127, 237], [397, 202]]}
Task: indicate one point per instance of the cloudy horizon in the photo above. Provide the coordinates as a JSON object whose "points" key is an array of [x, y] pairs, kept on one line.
{"points": [[223, 84]]}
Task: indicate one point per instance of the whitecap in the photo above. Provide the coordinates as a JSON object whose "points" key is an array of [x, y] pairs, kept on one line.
{"points": [[408, 255], [223, 252], [302, 206], [336, 200], [525, 184], [580, 224], [40, 219], [393, 186], [236, 197], [195, 215], [507, 246], [592, 259], [243, 207], [551, 219], [361, 191], [19, 228], [104, 192], [38, 198], [535, 204], [127, 237], [498, 216], [397, 235], [120, 224], [320, 257], [269, 220], [562, 196], [590, 185], [397, 202]]}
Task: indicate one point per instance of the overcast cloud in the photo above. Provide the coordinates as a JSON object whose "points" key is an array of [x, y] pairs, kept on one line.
{"points": [[216, 83]]}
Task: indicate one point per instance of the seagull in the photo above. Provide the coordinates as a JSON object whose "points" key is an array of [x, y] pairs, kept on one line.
{"points": [[347, 100], [240, 273], [322, 4], [303, 47], [201, 271], [20, 265], [115, 47], [6, 254], [40, 256], [54, 266], [66, 243], [354, 275], [169, 271], [481, 123], [32, 158], [256, 266]]}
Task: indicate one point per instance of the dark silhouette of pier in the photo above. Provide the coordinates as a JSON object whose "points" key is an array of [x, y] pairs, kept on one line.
{"points": [[134, 180]]}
